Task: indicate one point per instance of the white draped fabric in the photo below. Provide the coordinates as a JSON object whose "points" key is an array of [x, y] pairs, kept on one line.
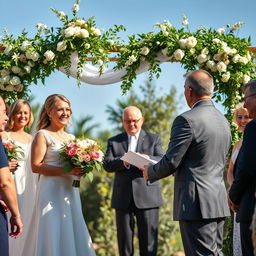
{"points": [[90, 74]]}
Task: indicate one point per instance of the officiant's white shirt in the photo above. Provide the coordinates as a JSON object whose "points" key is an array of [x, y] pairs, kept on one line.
{"points": [[133, 141]]}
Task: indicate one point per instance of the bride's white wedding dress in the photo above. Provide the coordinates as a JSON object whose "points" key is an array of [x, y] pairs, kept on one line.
{"points": [[58, 227]]}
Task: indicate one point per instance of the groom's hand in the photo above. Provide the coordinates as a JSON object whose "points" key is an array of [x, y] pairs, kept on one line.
{"points": [[145, 172]]}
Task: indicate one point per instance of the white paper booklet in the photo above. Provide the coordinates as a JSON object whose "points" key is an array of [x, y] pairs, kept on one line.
{"points": [[137, 159]]}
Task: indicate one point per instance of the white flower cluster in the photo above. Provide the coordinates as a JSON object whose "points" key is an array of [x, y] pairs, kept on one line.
{"points": [[80, 29], [130, 60], [10, 82], [189, 42]]}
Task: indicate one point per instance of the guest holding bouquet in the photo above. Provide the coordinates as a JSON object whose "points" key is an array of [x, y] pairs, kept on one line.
{"points": [[58, 224]]}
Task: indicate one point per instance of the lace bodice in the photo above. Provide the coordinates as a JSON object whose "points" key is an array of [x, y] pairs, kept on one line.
{"points": [[53, 148]]}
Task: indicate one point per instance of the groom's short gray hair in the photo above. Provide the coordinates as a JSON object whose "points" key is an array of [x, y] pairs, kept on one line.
{"points": [[200, 81]]}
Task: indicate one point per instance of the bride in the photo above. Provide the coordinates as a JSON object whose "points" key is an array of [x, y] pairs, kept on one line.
{"points": [[57, 227]]}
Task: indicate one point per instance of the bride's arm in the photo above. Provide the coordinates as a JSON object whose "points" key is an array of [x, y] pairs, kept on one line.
{"points": [[38, 151]]}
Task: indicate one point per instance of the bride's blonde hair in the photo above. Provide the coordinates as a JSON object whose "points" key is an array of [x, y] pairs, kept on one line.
{"points": [[44, 119]]}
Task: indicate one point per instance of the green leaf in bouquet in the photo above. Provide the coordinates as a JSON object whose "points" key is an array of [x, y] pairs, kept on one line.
{"points": [[89, 176], [68, 167], [98, 166]]}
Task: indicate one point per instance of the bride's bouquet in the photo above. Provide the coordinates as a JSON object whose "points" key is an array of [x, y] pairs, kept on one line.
{"points": [[13, 151], [83, 153]]}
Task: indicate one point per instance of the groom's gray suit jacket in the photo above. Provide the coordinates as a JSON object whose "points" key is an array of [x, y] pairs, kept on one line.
{"points": [[200, 140], [129, 184]]}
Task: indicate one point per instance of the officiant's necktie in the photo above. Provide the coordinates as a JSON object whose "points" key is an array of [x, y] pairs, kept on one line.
{"points": [[132, 144]]}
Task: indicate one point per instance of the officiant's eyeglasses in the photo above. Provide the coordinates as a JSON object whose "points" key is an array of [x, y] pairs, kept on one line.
{"points": [[132, 121]]}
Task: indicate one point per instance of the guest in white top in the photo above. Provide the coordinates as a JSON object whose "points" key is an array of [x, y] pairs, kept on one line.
{"points": [[241, 119]]}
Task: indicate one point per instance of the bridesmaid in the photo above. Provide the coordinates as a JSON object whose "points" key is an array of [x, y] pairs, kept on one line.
{"points": [[20, 117], [241, 118]]}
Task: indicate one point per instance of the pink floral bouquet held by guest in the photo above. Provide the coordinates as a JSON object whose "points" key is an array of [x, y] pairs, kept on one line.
{"points": [[13, 151], [83, 153]]}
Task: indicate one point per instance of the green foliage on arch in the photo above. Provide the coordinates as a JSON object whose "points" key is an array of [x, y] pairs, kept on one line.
{"points": [[26, 60]]}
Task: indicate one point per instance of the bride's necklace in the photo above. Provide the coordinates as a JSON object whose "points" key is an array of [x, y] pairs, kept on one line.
{"points": [[62, 136]]}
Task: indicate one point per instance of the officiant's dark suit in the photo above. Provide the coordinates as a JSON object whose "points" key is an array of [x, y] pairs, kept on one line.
{"points": [[199, 143], [242, 191], [132, 195]]}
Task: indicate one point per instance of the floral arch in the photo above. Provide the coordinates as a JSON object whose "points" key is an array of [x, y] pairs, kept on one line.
{"points": [[25, 60]]}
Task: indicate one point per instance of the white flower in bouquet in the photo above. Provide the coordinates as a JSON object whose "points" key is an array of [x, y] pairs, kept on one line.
{"points": [[246, 79], [15, 80], [16, 70], [221, 66], [61, 46], [75, 8], [201, 58], [49, 55], [87, 46], [184, 20], [27, 68], [144, 51], [220, 31], [211, 65], [83, 33], [178, 54], [25, 45], [131, 59], [225, 77], [192, 51], [191, 42]]}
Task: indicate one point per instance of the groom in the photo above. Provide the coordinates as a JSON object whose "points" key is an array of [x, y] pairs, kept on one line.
{"points": [[200, 140], [132, 195]]}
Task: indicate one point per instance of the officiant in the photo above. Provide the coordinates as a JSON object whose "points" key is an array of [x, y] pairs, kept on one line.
{"points": [[132, 196]]}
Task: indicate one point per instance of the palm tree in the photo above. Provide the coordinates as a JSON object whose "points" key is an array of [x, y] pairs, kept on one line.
{"points": [[81, 127]]}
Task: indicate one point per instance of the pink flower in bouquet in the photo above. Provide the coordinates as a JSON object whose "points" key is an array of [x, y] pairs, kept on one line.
{"points": [[95, 154], [72, 151], [8, 145], [86, 158]]}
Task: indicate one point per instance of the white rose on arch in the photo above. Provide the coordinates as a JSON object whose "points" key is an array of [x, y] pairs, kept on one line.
{"points": [[201, 58], [61, 46], [178, 54], [191, 42], [225, 77], [15, 80], [83, 33], [221, 66], [16, 70], [144, 51], [49, 55], [246, 79]]}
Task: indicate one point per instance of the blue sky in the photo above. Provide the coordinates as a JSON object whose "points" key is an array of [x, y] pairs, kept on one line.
{"points": [[138, 16]]}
